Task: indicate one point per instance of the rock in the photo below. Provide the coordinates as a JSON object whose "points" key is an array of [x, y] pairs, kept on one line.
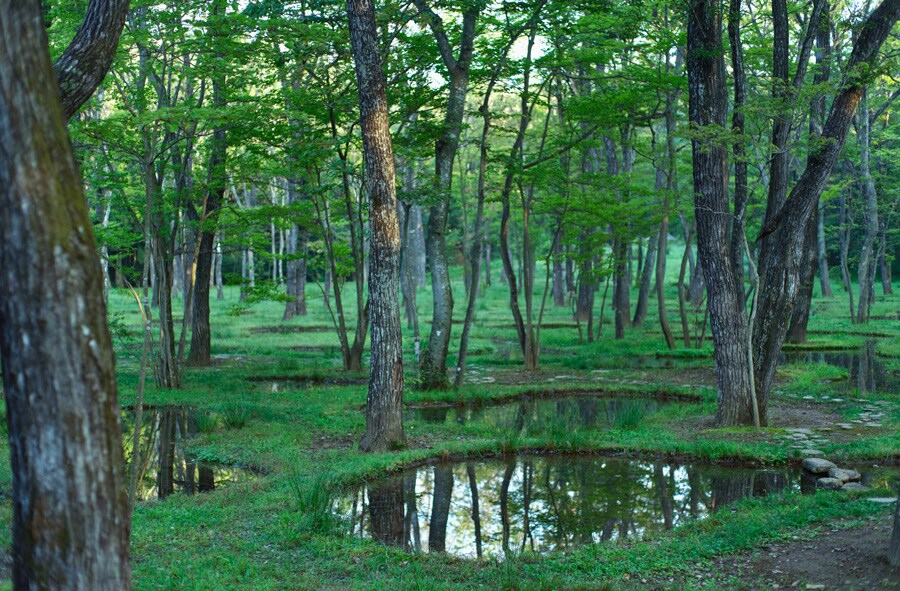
{"points": [[829, 483], [844, 475], [854, 487], [812, 452], [817, 465], [800, 430], [883, 500]]}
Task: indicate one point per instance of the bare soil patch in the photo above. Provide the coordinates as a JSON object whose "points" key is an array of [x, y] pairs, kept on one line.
{"points": [[838, 558]]}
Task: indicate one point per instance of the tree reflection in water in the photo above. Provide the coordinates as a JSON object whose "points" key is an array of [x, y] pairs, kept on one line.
{"points": [[541, 504], [164, 467]]}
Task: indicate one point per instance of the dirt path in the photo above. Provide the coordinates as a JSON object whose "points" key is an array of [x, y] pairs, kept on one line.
{"points": [[852, 558]]}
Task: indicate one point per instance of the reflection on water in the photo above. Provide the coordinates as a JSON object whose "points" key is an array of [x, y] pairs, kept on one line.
{"points": [[867, 371], [531, 415], [544, 504], [164, 467]]}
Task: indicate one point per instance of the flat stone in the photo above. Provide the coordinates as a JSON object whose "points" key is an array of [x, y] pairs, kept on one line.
{"points": [[808, 398], [817, 465], [844, 475], [829, 484], [812, 452], [854, 487], [882, 500], [800, 430], [873, 425], [846, 427]]}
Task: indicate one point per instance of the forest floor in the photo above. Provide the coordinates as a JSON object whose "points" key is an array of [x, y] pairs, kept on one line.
{"points": [[276, 401]]}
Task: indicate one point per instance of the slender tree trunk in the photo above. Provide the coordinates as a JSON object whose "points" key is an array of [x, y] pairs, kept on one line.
{"points": [[297, 240], [824, 274], [884, 266], [845, 251], [867, 259], [384, 406], [201, 345], [646, 273], [55, 347], [559, 285], [433, 372]]}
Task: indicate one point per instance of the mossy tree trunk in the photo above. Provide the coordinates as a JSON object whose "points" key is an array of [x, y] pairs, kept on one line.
{"points": [[70, 511]]}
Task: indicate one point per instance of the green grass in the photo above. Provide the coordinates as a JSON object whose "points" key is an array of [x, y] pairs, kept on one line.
{"points": [[278, 531]]}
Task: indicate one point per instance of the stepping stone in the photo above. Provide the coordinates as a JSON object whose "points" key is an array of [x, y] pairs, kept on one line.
{"points": [[874, 425], [845, 426], [844, 475], [817, 465], [854, 487], [812, 452], [829, 484], [808, 398], [882, 500], [800, 430]]}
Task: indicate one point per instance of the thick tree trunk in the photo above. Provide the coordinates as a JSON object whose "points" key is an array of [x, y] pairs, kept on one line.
{"points": [[384, 405], [708, 107], [70, 513], [85, 62]]}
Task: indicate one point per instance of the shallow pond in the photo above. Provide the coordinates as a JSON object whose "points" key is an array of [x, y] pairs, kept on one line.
{"points": [[164, 467], [550, 503], [530, 415], [866, 370]]}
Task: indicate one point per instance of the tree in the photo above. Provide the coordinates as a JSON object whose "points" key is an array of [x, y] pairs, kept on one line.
{"points": [[71, 520], [434, 362], [384, 406]]}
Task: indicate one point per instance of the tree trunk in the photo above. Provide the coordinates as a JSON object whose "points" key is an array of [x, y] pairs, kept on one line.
{"points": [[867, 259], [646, 273], [845, 228], [894, 549], [442, 494], [433, 371], [780, 274], [708, 108], [885, 267], [201, 345], [70, 512], [808, 266], [824, 274], [384, 405], [559, 285], [297, 240]]}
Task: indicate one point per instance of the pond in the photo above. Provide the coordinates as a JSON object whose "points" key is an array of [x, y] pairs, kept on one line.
{"points": [[550, 503], [866, 370], [165, 468], [532, 415]]}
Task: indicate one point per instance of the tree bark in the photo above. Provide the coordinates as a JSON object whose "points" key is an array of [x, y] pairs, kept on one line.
{"points": [[647, 268], [433, 372], [201, 345], [780, 274], [84, 64], [384, 405], [70, 512], [708, 108], [867, 258]]}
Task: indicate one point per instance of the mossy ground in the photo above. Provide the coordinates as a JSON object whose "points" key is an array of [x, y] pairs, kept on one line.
{"points": [[271, 534]]}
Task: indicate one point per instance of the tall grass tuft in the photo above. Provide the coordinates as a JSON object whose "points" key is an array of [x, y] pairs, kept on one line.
{"points": [[235, 415], [315, 499]]}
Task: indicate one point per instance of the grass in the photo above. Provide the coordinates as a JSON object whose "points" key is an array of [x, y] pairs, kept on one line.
{"points": [[278, 531]]}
